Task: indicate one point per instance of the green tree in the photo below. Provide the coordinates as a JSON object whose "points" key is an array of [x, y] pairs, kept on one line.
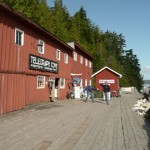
{"points": [[60, 23], [131, 71], [83, 27]]}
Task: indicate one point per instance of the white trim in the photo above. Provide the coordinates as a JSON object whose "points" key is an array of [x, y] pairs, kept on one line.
{"points": [[66, 58], [108, 69], [75, 57], [81, 59], [22, 37], [81, 83], [58, 53], [73, 74], [105, 80], [41, 49], [42, 78], [90, 64], [64, 81]]}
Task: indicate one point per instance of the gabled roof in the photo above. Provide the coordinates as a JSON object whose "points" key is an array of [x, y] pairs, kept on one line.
{"points": [[108, 69], [74, 45]]}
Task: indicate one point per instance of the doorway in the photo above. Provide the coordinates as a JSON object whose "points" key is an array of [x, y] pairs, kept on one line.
{"points": [[54, 84], [56, 88]]}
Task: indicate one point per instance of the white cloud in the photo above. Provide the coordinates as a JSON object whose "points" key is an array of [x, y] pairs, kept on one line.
{"points": [[146, 69]]}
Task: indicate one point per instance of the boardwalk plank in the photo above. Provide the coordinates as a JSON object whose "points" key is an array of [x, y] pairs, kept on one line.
{"points": [[118, 138], [130, 142]]}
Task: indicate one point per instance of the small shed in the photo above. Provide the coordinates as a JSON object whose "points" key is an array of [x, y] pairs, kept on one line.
{"points": [[109, 75]]}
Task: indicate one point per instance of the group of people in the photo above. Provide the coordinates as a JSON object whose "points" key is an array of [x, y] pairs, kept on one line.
{"points": [[106, 92]]}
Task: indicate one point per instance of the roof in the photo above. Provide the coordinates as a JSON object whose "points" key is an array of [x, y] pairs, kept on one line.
{"points": [[74, 45], [108, 69], [30, 23]]}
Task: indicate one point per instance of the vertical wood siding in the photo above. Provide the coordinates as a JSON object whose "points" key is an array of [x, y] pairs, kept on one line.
{"points": [[33, 94], [12, 93]]}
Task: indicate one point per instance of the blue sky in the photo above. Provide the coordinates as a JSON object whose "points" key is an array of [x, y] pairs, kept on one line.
{"points": [[131, 18]]}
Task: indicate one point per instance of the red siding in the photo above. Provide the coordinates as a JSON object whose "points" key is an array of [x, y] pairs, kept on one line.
{"points": [[108, 75], [33, 94], [12, 93]]}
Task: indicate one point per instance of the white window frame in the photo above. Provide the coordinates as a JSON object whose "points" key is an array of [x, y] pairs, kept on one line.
{"points": [[90, 64], [66, 58], [40, 82], [85, 82], [62, 80], [81, 59], [41, 47], [81, 83], [19, 39], [75, 56], [58, 54], [86, 62]]}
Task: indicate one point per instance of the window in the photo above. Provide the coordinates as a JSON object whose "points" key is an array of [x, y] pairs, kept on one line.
{"points": [[86, 62], [90, 64], [81, 59], [58, 54], [40, 82], [41, 47], [66, 58], [19, 37], [75, 56], [62, 83]]}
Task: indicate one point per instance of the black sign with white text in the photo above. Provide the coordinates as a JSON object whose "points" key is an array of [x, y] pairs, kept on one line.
{"points": [[39, 63]]}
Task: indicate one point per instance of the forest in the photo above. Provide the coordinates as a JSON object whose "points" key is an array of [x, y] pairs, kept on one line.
{"points": [[107, 48]]}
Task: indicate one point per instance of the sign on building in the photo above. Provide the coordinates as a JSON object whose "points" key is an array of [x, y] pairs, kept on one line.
{"points": [[43, 64], [108, 81]]}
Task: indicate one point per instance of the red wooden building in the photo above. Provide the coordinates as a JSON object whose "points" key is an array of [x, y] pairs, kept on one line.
{"points": [[81, 69], [109, 75], [30, 59]]}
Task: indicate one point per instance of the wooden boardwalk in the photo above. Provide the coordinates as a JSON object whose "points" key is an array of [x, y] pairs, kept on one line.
{"points": [[76, 125]]}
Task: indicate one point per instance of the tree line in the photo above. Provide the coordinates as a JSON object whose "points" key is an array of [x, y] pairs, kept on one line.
{"points": [[107, 48]]}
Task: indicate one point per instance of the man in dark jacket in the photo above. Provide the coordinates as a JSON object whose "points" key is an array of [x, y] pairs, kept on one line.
{"points": [[106, 92], [89, 90]]}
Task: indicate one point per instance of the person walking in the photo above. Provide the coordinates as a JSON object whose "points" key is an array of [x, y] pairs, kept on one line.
{"points": [[106, 92], [89, 90]]}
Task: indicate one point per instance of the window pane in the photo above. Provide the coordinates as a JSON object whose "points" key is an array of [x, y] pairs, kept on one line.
{"points": [[66, 58], [81, 60], [75, 56], [19, 37], [40, 82], [62, 83], [58, 54], [41, 47]]}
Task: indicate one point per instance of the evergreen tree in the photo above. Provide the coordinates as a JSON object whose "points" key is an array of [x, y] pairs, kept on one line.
{"points": [[60, 23]]}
